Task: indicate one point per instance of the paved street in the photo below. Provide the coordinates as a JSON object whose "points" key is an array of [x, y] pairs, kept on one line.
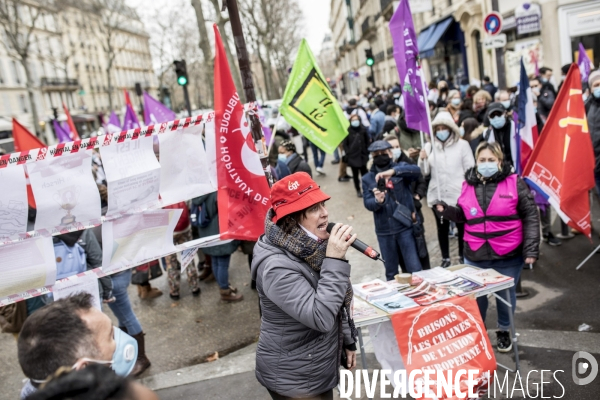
{"points": [[183, 334]]}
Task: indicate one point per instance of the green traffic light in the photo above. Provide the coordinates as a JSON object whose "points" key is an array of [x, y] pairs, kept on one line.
{"points": [[370, 62], [182, 80]]}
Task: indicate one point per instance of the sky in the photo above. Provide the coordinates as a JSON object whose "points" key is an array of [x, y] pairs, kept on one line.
{"points": [[316, 21]]}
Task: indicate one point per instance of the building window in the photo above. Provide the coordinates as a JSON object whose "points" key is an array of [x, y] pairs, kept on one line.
{"points": [[15, 70], [449, 3], [23, 103]]}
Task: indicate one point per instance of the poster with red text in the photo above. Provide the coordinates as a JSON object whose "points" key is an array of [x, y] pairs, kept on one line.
{"points": [[447, 337]]}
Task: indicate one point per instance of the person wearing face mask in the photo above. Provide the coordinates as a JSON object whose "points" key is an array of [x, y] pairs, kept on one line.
{"points": [[592, 110], [501, 130], [289, 162], [454, 102], [481, 100], [547, 93], [446, 164], [502, 228], [303, 282], [355, 146], [390, 126], [71, 332], [470, 131], [395, 237]]}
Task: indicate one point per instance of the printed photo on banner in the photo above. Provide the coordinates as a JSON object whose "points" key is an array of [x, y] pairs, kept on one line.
{"points": [[65, 191], [13, 202], [183, 165], [26, 265], [136, 238], [86, 283], [133, 175], [442, 337]]}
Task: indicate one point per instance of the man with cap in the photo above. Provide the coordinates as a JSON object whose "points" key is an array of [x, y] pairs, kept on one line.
{"points": [[387, 193], [592, 110]]}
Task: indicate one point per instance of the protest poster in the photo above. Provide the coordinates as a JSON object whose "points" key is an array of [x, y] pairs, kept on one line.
{"points": [[137, 238], [187, 256], [83, 283], [65, 191], [442, 337], [183, 165], [133, 175], [26, 265], [13, 202]]}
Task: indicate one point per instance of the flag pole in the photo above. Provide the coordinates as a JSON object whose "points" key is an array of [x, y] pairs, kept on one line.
{"points": [[437, 176]]}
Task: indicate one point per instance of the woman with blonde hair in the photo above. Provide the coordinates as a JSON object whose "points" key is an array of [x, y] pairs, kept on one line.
{"points": [[454, 102], [481, 100], [502, 226]]}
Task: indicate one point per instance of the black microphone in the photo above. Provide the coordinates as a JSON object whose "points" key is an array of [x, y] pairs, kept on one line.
{"points": [[360, 246]]}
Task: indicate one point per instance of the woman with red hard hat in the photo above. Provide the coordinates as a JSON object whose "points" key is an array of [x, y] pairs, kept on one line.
{"points": [[303, 283]]}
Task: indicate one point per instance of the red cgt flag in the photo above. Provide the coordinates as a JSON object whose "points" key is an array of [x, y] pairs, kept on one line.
{"points": [[25, 141], [74, 134], [562, 164], [243, 191]]}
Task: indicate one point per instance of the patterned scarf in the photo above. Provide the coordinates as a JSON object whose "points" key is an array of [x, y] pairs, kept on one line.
{"points": [[306, 248]]}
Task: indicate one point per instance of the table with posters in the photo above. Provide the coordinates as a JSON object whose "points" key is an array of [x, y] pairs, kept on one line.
{"points": [[378, 316]]}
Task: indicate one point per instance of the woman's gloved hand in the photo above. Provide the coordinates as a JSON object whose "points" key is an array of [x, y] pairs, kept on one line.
{"points": [[439, 206]]}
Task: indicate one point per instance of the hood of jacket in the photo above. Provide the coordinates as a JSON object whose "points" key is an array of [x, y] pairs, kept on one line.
{"points": [[472, 177]]}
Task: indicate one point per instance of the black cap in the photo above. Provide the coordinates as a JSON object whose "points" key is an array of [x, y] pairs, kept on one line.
{"points": [[495, 107]]}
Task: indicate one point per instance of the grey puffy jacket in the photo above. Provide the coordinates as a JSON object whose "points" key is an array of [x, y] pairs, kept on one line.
{"points": [[299, 344]]}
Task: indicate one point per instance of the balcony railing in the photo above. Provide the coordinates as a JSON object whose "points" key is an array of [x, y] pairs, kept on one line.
{"points": [[59, 84]]}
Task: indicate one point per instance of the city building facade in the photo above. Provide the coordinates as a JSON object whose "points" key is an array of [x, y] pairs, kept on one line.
{"points": [[68, 64], [451, 39]]}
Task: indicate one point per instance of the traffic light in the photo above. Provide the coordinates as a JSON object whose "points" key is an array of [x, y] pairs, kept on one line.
{"points": [[369, 55], [181, 71]]}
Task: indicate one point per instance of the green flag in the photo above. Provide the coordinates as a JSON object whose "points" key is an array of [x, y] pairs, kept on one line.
{"points": [[310, 107]]}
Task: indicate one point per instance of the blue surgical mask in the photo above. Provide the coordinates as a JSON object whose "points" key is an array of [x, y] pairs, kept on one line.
{"points": [[596, 93], [396, 153], [125, 354], [455, 102], [282, 157], [442, 135], [544, 80], [355, 123], [505, 104], [487, 169], [461, 131], [498, 122]]}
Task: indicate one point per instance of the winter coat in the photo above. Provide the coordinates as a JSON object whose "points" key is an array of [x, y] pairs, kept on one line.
{"points": [[418, 187], [301, 327], [526, 209], [447, 164], [464, 114], [210, 202], [592, 110], [356, 145], [546, 99], [490, 88], [506, 137], [385, 223], [297, 164], [409, 138], [377, 122], [455, 112], [390, 126]]}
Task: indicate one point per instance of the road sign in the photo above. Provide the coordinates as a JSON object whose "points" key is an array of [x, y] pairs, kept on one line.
{"points": [[494, 42], [492, 23]]}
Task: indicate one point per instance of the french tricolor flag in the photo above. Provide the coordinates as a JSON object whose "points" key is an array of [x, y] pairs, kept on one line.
{"points": [[527, 124]]}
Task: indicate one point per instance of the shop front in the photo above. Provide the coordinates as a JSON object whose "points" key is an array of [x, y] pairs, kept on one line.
{"points": [[580, 23], [443, 45]]}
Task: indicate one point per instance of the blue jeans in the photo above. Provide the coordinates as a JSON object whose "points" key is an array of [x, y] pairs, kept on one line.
{"points": [[220, 267], [510, 267], [319, 161], [398, 245], [336, 154], [122, 307]]}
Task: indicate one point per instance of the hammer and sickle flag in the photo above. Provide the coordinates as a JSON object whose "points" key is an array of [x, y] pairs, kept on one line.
{"points": [[561, 167], [310, 106]]}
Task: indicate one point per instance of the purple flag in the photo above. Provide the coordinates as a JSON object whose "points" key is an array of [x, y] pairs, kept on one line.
{"points": [[265, 127], [405, 54], [584, 63], [130, 121], [156, 112], [61, 134], [114, 125]]}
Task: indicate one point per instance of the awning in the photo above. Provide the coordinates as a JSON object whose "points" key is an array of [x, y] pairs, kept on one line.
{"points": [[434, 33]]}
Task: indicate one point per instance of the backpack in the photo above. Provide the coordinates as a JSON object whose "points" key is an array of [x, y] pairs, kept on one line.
{"points": [[69, 260], [199, 216]]}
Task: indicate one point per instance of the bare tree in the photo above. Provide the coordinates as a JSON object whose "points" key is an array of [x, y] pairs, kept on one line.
{"points": [[204, 44], [113, 16], [18, 21]]}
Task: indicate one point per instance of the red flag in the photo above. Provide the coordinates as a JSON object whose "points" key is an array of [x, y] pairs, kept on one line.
{"points": [[25, 141], [243, 194], [562, 163], [127, 99], [74, 135]]}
